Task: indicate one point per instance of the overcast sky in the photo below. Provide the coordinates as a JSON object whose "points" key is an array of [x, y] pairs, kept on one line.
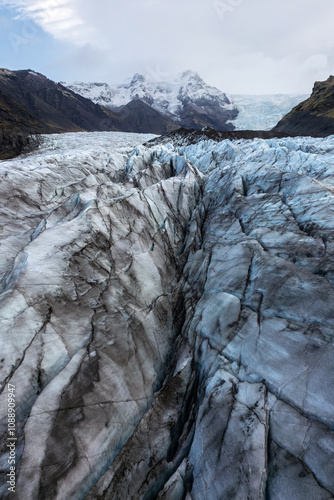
{"points": [[240, 46]]}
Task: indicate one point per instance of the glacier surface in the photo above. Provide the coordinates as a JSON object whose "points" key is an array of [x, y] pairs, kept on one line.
{"points": [[263, 112], [167, 318]]}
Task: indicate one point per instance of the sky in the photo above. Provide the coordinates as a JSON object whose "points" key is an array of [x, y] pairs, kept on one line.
{"points": [[239, 46]]}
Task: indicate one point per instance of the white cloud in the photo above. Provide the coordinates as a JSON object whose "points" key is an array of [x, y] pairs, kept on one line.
{"points": [[269, 46], [57, 17]]}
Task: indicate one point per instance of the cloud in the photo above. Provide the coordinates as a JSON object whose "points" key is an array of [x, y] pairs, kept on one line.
{"points": [[239, 45], [57, 17]]}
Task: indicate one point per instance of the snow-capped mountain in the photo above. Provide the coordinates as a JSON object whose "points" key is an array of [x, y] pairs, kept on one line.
{"points": [[189, 95], [263, 112], [187, 100]]}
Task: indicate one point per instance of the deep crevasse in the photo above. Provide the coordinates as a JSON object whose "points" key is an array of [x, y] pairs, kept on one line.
{"points": [[170, 333]]}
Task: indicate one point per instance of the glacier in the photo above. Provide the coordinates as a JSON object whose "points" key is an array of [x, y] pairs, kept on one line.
{"points": [[167, 316], [263, 112]]}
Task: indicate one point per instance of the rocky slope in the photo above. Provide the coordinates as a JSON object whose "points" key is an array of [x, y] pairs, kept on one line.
{"points": [[188, 101], [315, 116], [39, 105], [167, 318]]}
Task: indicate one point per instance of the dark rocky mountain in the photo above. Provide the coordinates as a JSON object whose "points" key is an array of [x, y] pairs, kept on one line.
{"points": [[137, 116], [35, 104], [315, 116], [30, 103], [196, 115]]}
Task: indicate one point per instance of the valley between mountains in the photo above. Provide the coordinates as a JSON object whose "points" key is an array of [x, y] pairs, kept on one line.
{"points": [[167, 316]]}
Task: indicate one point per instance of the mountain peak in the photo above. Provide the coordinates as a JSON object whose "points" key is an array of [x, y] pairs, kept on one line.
{"points": [[137, 78], [191, 75]]}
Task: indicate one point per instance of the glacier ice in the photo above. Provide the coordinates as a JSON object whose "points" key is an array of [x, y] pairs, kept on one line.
{"points": [[167, 318]]}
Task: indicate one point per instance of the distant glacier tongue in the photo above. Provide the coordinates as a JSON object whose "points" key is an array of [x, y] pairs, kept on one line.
{"points": [[167, 318], [263, 112]]}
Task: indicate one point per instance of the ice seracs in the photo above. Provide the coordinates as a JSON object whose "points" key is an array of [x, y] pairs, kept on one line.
{"points": [[167, 317]]}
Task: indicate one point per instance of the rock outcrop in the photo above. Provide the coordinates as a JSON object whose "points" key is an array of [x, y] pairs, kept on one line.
{"points": [[168, 320], [315, 116], [15, 142]]}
